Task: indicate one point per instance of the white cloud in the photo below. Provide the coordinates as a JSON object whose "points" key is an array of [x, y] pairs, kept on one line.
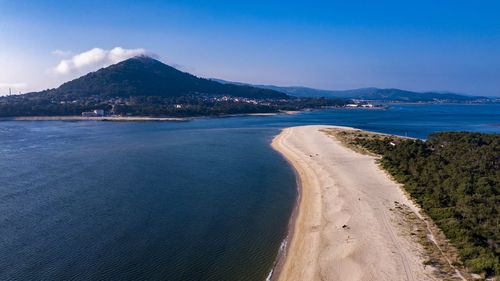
{"points": [[95, 58], [119, 54], [61, 53]]}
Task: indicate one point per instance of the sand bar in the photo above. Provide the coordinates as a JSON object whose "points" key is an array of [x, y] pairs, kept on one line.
{"points": [[344, 228], [135, 118], [103, 118]]}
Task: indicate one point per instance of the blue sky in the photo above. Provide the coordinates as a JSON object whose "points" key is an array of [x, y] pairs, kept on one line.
{"points": [[415, 45]]}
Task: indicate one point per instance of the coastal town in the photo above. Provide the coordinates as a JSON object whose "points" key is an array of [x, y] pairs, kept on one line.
{"points": [[116, 103], [53, 104]]}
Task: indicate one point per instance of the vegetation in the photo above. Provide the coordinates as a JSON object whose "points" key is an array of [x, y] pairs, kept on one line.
{"points": [[143, 86], [182, 106], [381, 95], [144, 76], [455, 177]]}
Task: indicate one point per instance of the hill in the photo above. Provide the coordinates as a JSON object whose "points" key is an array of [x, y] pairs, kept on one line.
{"points": [[143, 86], [145, 76], [374, 94]]}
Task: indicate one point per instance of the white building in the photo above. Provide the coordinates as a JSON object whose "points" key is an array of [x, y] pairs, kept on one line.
{"points": [[95, 113]]}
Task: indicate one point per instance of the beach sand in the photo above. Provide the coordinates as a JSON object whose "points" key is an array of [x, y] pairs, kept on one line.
{"points": [[103, 118], [135, 118], [344, 228]]}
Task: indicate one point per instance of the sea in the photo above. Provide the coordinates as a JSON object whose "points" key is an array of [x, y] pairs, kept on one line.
{"points": [[206, 199]]}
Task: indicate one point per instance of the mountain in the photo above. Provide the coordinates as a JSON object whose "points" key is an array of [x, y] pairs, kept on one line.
{"points": [[142, 86], [376, 94], [145, 76]]}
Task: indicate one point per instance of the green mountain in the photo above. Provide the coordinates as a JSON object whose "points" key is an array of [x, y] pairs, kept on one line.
{"points": [[143, 86], [145, 76], [376, 94]]}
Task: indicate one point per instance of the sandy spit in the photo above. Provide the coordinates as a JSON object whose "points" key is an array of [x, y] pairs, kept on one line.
{"points": [[133, 118], [344, 228], [81, 118]]}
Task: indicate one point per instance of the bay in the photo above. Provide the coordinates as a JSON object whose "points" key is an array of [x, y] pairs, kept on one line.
{"points": [[206, 199]]}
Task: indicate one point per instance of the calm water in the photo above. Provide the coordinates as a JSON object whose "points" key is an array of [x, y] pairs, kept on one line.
{"points": [[201, 200]]}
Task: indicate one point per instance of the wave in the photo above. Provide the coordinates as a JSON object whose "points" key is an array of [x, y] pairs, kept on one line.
{"points": [[280, 256]]}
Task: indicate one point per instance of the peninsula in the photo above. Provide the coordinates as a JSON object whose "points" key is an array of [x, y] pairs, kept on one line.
{"points": [[353, 222]]}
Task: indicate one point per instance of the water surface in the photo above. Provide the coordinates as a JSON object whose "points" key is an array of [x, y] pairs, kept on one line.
{"points": [[201, 200]]}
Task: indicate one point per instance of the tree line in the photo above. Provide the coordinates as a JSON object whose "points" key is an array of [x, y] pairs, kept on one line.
{"points": [[155, 106], [455, 177]]}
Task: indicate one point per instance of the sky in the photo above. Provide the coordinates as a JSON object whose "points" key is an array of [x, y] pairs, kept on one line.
{"points": [[415, 45]]}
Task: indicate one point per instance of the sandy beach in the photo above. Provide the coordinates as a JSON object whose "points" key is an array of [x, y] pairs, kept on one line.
{"points": [[81, 118], [133, 118], [344, 228]]}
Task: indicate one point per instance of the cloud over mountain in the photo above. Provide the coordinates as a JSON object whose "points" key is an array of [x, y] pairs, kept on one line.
{"points": [[96, 58]]}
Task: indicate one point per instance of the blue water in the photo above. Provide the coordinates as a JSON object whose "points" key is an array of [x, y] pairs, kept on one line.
{"points": [[201, 200]]}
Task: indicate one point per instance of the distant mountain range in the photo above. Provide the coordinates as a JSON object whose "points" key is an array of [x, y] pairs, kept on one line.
{"points": [[373, 94], [145, 76], [143, 86]]}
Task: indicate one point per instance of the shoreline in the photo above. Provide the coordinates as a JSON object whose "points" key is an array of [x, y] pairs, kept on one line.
{"points": [[100, 119], [138, 118], [327, 239], [285, 243], [298, 218]]}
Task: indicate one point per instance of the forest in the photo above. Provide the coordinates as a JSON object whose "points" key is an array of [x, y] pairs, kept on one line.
{"points": [[142, 86], [154, 106], [455, 177]]}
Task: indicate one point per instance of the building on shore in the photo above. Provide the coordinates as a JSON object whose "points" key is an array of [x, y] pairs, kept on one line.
{"points": [[95, 113], [395, 142]]}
